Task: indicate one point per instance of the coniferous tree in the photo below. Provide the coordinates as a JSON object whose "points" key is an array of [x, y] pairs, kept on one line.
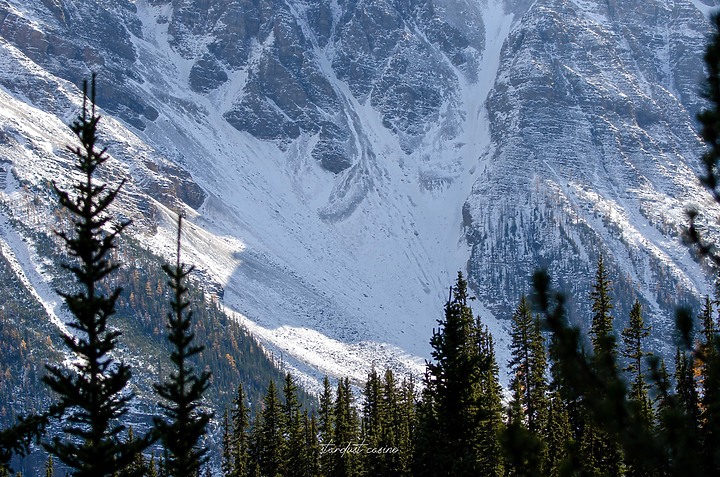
{"points": [[267, 448], [391, 428], [138, 466], [93, 390], [633, 350], [558, 437], [406, 430], [345, 433], [640, 404], [295, 449], [325, 428], [460, 411], [240, 439], [185, 422], [600, 450], [490, 405], [527, 412], [709, 359], [311, 465], [373, 422]]}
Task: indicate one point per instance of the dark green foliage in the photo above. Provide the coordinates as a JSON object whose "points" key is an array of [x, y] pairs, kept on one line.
{"points": [[633, 337], [227, 464], [240, 443], [460, 412], [311, 465], [93, 391], [557, 436], [325, 427], [670, 448], [528, 410], [295, 450], [267, 447], [345, 433], [185, 423], [639, 400]]}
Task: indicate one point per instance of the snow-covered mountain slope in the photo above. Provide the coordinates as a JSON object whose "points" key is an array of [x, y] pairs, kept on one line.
{"points": [[341, 160]]}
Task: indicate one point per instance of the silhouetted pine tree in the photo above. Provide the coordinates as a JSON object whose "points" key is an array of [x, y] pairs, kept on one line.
{"points": [[558, 437], [93, 390], [633, 337], [185, 423]]}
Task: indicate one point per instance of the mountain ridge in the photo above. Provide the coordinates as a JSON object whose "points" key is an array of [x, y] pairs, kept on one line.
{"points": [[339, 161]]}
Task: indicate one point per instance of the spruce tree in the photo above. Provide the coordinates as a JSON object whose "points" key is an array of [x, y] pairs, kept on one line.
{"points": [[345, 433], [267, 448], [527, 412], [184, 425], [295, 450], [325, 428], [93, 390], [460, 410], [373, 421], [240, 444], [528, 365], [633, 350], [311, 464], [600, 450], [640, 404], [558, 437]]}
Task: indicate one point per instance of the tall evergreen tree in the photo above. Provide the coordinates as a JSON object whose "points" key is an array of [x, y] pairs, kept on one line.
{"points": [[640, 404], [345, 433], [240, 444], [600, 450], [460, 409], [185, 423], [633, 350], [527, 413], [295, 449], [374, 422], [325, 427], [311, 464], [93, 390], [558, 437], [267, 448], [528, 366]]}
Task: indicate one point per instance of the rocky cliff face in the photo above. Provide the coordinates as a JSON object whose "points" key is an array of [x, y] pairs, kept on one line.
{"points": [[340, 160]]}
